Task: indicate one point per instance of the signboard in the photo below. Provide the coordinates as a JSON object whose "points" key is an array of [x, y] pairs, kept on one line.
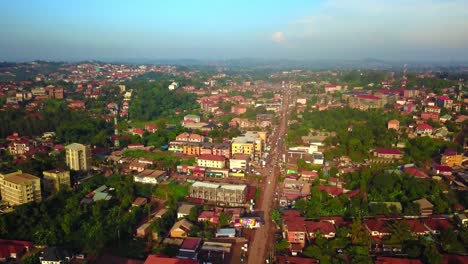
{"points": [[252, 222]]}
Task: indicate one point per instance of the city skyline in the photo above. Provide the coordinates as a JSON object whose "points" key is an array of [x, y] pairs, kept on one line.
{"points": [[413, 30]]}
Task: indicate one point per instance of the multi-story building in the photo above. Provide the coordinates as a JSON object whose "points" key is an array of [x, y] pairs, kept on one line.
{"points": [[56, 179], [78, 157], [20, 188], [211, 161], [365, 101], [229, 194], [239, 162], [251, 143]]}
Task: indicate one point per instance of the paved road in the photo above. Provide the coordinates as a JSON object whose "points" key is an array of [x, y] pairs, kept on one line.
{"points": [[264, 236]]}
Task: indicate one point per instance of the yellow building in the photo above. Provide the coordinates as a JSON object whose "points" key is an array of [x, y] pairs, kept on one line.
{"points": [[19, 188], [451, 158], [54, 180], [78, 157], [251, 143]]}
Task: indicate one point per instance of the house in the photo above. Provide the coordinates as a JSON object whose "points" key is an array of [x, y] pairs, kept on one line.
{"points": [[376, 227], [332, 88], [208, 216], [189, 248], [442, 170], [430, 116], [415, 172], [392, 260], [417, 227], [188, 137], [295, 260], [184, 210], [227, 194], [137, 166], [293, 228], [432, 109], [55, 255], [393, 124], [192, 118], [156, 259], [139, 202], [226, 233], [451, 158], [211, 161], [425, 207], [309, 175], [384, 153], [138, 132], [435, 226], [238, 109], [151, 128], [148, 176], [13, 249], [424, 130], [326, 228], [180, 229], [444, 101]]}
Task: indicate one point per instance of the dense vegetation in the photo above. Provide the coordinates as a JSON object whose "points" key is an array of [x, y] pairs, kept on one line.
{"points": [[154, 100], [69, 125]]}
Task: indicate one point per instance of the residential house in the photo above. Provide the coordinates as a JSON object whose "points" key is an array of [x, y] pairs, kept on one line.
{"points": [[55, 255], [151, 128], [226, 233], [451, 158], [393, 260], [148, 176], [425, 207], [138, 132], [188, 137], [13, 249], [436, 225], [376, 227], [444, 101], [208, 216], [137, 166], [189, 248], [192, 118], [384, 153], [180, 229], [156, 259], [424, 130], [393, 124], [325, 228], [430, 116], [139, 202], [184, 210], [432, 109]]}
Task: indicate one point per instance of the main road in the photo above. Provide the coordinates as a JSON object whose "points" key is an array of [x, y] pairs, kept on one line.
{"points": [[263, 239]]}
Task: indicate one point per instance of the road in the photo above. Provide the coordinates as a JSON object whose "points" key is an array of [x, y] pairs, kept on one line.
{"points": [[263, 240]]}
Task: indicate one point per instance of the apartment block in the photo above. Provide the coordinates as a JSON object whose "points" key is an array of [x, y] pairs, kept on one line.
{"points": [[20, 188]]}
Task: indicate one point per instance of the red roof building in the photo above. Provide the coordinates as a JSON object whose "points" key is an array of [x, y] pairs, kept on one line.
{"points": [[154, 259], [390, 260]]}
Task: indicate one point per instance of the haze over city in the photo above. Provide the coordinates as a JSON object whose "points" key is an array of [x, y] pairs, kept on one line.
{"points": [[416, 30]]}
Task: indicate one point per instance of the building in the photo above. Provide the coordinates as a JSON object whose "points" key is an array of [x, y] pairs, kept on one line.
{"points": [[13, 249], [180, 229], [424, 130], [444, 101], [230, 194], [239, 162], [55, 255], [393, 124], [192, 118], [189, 248], [365, 101], [211, 161], [20, 188], [156, 259], [78, 157], [187, 137], [148, 176], [383, 153], [184, 210], [56, 179], [425, 207], [251, 143], [451, 158]]}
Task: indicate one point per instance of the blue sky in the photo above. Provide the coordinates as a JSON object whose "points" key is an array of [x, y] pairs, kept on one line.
{"points": [[201, 29]]}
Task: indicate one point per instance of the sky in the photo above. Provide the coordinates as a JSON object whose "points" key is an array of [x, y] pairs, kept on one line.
{"points": [[403, 30]]}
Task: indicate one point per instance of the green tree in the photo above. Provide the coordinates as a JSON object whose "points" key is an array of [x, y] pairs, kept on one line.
{"points": [[275, 215], [282, 246]]}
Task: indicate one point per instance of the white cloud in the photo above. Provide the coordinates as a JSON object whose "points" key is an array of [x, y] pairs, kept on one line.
{"points": [[279, 37]]}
